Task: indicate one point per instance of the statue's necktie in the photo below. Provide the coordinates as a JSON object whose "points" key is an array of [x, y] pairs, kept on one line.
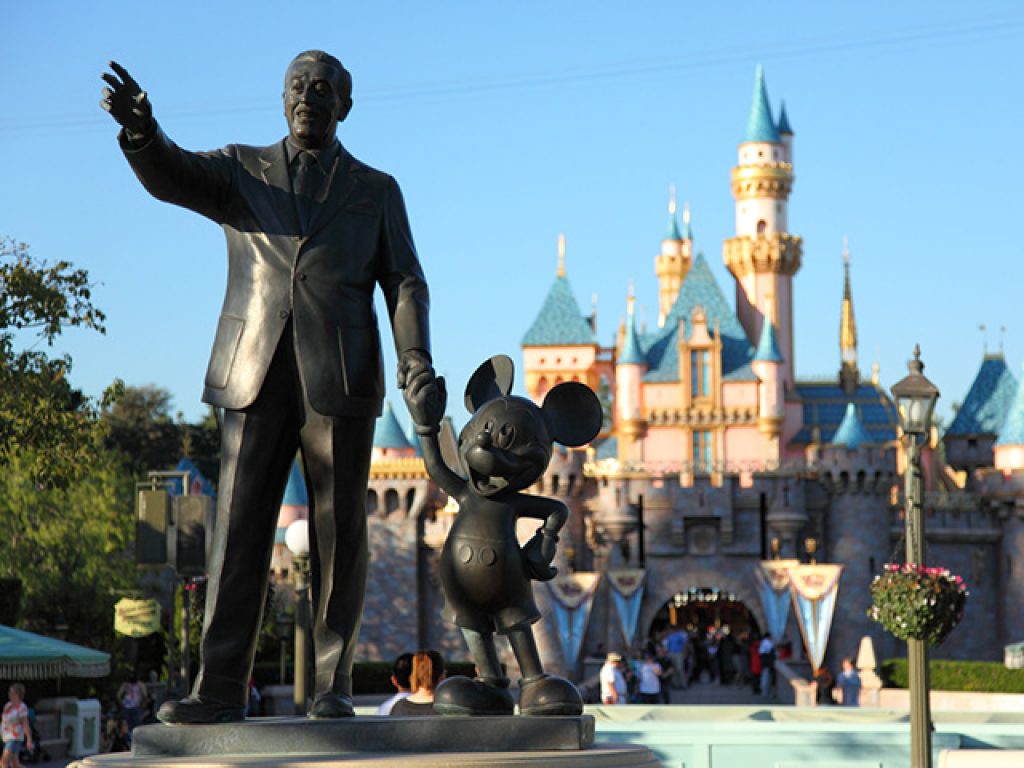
{"points": [[307, 183]]}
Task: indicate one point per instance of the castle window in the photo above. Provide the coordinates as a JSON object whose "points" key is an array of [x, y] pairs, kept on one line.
{"points": [[702, 451], [390, 501], [371, 501], [410, 498], [762, 225], [700, 373]]}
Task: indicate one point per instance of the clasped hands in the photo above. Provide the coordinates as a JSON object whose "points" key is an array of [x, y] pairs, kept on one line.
{"points": [[425, 393]]}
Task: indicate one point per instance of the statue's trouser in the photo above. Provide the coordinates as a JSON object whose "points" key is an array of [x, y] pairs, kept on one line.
{"points": [[258, 445]]}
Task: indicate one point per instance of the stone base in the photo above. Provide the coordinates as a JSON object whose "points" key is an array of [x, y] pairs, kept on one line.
{"points": [[299, 735], [445, 742], [599, 756]]}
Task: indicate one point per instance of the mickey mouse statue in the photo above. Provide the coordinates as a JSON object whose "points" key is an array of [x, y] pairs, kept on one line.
{"points": [[485, 574]]}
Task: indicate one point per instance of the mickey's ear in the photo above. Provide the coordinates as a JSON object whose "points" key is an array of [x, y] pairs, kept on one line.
{"points": [[489, 382], [572, 413]]}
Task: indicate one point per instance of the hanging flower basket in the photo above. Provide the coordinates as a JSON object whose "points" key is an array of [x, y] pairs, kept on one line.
{"points": [[917, 603]]}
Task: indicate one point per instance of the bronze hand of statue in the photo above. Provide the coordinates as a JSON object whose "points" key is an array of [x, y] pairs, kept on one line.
{"points": [[426, 398], [538, 553], [127, 103]]}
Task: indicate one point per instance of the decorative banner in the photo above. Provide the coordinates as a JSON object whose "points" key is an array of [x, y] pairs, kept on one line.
{"points": [[814, 589], [572, 597], [772, 578], [136, 618], [627, 593]]}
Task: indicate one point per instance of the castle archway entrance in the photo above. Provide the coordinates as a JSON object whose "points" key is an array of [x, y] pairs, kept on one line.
{"points": [[703, 608]]}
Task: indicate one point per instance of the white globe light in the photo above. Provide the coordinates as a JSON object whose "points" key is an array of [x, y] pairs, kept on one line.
{"points": [[296, 537]]}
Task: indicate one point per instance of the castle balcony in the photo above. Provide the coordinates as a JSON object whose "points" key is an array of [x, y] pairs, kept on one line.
{"points": [[778, 253], [769, 180]]}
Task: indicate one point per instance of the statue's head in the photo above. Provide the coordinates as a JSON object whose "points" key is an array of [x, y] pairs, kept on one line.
{"points": [[317, 96]]}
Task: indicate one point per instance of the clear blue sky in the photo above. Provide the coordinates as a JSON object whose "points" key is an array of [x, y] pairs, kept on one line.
{"points": [[508, 123]]}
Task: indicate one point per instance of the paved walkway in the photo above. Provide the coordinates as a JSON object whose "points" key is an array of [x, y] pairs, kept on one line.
{"points": [[710, 694]]}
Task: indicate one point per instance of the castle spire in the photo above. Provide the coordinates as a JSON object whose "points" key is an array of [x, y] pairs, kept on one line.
{"points": [[760, 125], [687, 229], [632, 353], [673, 223], [561, 254], [848, 372]]}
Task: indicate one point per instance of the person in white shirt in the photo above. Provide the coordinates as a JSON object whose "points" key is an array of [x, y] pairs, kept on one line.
{"points": [[613, 682], [650, 679], [400, 672]]}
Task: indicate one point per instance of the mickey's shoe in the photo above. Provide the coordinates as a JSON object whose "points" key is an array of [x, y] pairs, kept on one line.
{"points": [[194, 710], [546, 695], [331, 705], [480, 696]]}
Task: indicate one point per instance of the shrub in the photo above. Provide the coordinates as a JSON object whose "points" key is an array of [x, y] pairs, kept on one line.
{"points": [[917, 603], [984, 676]]}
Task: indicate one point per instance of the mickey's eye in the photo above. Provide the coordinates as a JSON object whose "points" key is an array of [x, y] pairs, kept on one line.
{"points": [[489, 425], [506, 436]]}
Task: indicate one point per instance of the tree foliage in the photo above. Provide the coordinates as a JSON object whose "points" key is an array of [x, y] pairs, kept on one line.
{"points": [[41, 415], [69, 544]]}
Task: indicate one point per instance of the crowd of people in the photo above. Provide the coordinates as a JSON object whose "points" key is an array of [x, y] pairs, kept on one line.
{"points": [[678, 657]]}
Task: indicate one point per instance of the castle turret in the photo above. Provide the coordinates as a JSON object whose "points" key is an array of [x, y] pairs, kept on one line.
{"points": [[970, 439], [560, 345], [763, 256], [672, 264], [1009, 448], [389, 441], [630, 366], [849, 374]]}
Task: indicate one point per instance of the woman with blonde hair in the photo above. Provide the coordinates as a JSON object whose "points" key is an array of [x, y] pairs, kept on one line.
{"points": [[427, 672]]}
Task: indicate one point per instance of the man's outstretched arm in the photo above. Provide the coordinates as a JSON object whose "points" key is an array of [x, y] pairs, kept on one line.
{"points": [[200, 181]]}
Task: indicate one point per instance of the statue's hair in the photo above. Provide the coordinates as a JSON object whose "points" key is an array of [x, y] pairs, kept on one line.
{"points": [[344, 76]]}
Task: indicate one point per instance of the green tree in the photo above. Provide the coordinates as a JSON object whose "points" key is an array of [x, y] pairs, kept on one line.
{"points": [[140, 426], [41, 414], [70, 544]]}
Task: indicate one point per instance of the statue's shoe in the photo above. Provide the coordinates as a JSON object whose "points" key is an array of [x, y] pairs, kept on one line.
{"points": [[194, 710], [466, 696], [546, 695], [331, 705]]}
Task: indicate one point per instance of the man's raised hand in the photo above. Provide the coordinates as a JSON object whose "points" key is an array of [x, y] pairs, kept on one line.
{"points": [[126, 102]]}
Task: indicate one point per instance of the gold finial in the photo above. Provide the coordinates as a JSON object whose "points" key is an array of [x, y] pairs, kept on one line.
{"points": [[630, 299], [672, 199], [876, 371], [686, 213], [561, 254], [847, 323]]}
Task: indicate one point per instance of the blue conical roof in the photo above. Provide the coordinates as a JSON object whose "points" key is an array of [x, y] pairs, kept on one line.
{"points": [[560, 320], [760, 125], [295, 492], [388, 433], [851, 432], [1012, 432], [768, 346], [687, 228], [783, 125], [988, 401], [413, 438], [672, 232], [632, 352]]}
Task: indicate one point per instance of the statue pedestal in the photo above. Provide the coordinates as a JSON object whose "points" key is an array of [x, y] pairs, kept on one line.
{"points": [[377, 742]]}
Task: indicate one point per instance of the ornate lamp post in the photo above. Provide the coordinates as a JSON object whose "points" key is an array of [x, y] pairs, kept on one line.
{"points": [[296, 538], [915, 399]]}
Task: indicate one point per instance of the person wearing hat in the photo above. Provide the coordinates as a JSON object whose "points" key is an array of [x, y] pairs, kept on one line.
{"points": [[613, 682]]}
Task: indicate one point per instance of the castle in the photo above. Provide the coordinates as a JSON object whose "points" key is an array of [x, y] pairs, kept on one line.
{"points": [[716, 455]]}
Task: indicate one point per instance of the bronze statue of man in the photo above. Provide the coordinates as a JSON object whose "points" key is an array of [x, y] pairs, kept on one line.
{"points": [[296, 361]]}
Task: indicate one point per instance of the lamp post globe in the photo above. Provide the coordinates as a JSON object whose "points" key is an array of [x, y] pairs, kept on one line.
{"points": [[915, 398]]}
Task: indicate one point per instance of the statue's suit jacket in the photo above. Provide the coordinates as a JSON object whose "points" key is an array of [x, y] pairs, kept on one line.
{"points": [[321, 276]]}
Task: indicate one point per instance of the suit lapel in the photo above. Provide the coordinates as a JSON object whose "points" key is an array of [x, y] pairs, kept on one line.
{"points": [[274, 166], [344, 179]]}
